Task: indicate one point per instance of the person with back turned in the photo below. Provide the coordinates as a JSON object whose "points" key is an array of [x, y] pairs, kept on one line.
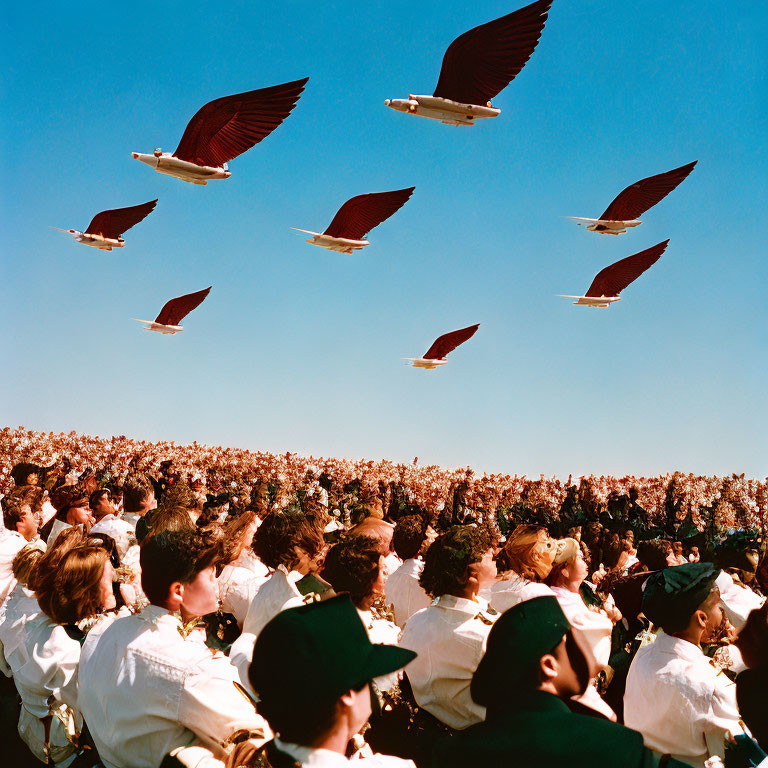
{"points": [[531, 669]]}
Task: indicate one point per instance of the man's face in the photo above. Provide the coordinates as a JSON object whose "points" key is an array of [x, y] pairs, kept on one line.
{"points": [[201, 596], [27, 525], [485, 570], [32, 478], [360, 710], [714, 612]]}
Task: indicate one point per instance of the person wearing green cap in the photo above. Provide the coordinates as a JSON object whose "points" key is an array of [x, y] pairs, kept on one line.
{"points": [[531, 668], [675, 697], [311, 670]]}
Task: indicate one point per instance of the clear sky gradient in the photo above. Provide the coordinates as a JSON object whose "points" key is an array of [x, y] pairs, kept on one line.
{"points": [[298, 348]]}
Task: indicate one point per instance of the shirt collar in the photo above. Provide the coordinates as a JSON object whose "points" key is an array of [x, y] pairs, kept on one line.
{"points": [[453, 603], [681, 648], [155, 615], [308, 756]]}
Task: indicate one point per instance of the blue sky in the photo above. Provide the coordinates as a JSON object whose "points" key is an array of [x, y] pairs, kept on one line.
{"points": [[298, 348]]}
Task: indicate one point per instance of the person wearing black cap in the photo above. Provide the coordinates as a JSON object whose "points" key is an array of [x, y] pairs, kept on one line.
{"points": [[312, 668], [531, 668], [675, 697]]}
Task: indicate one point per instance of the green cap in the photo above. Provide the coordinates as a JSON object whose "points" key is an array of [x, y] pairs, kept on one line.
{"points": [[322, 649], [518, 639], [672, 596]]}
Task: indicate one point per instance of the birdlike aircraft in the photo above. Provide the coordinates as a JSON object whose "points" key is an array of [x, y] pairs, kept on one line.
{"points": [[612, 280], [105, 232], [356, 218], [634, 201], [444, 344], [223, 129], [477, 66], [174, 311]]}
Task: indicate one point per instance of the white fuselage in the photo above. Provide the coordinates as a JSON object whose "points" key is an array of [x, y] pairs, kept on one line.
{"points": [[604, 226], [444, 110], [159, 327], [166, 163], [97, 241], [593, 301], [338, 244], [427, 363]]}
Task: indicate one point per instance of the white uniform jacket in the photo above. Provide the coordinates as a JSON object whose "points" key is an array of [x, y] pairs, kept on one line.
{"points": [[449, 638], [144, 690], [680, 703]]}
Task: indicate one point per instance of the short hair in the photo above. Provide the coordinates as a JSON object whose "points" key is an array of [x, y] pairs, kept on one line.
{"points": [[166, 518], [14, 503], [234, 530], [352, 566], [409, 535], [280, 532], [653, 553], [75, 592], [170, 556], [96, 496], [679, 621], [25, 562], [447, 560], [136, 490]]}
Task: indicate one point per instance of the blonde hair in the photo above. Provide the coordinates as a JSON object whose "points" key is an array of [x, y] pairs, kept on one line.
{"points": [[521, 552]]}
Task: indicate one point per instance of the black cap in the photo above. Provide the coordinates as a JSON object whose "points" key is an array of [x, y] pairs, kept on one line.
{"points": [[518, 639], [322, 648], [672, 596]]}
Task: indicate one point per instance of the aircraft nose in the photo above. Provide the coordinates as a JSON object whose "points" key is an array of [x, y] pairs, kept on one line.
{"points": [[387, 102], [135, 155]]}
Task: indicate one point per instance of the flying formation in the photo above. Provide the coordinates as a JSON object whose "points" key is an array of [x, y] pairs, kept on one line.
{"points": [[634, 201], [476, 67], [436, 354], [356, 218], [224, 128], [174, 311], [105, 232]]}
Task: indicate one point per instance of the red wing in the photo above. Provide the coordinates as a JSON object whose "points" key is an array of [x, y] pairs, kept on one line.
{"points": [[637, 198], [359, 215], [612, 280], [483, 61], [113, 223], [177, 309], [449, 341], [225, 128]]}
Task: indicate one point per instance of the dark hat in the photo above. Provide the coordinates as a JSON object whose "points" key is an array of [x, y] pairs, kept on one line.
{"points": [[322, 649], [518, 639], [672, 596]]}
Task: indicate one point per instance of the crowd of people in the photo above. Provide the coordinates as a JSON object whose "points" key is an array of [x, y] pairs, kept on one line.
{"points": [[217, 608]]}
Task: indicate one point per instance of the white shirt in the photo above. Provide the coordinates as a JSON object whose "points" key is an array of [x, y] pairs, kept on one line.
{"points": [[679, 702], [738, 601], [404, 592], [506, 592], [276, 594], [392, 562], [45, 669], [449, 637], [122, 532], [11, 543], [382, 632], [145, 690], [20, 607], [237, 588]]}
